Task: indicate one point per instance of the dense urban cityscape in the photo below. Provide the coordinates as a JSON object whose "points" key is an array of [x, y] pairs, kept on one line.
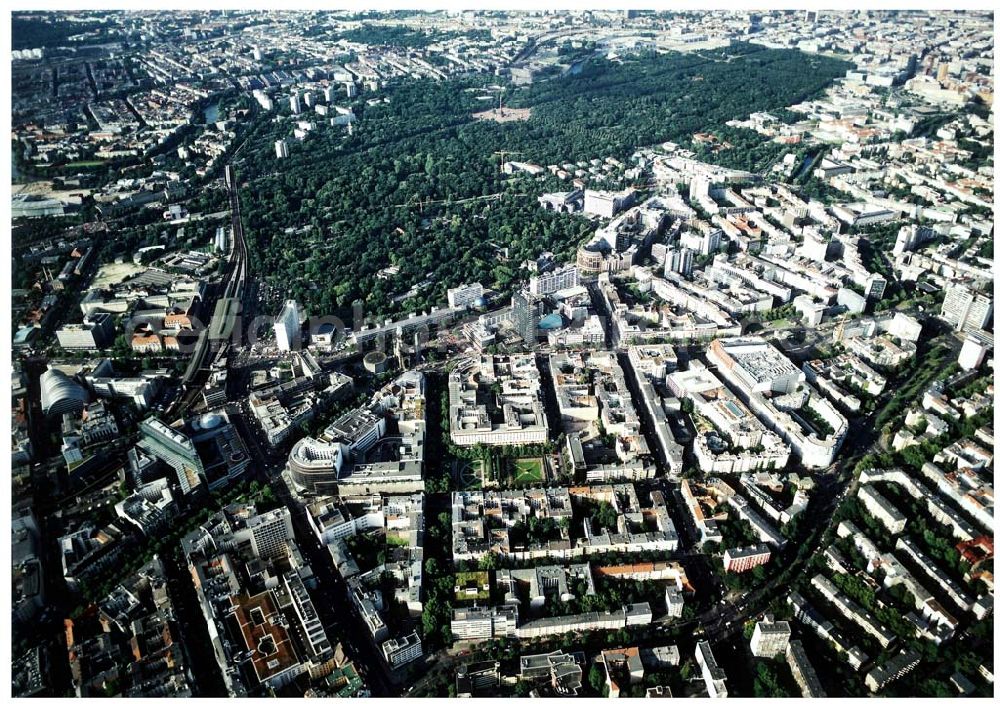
{"points": [[494, 354]]}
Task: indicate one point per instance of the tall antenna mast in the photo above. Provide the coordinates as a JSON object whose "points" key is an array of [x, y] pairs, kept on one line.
{"points": [[499, 90]]}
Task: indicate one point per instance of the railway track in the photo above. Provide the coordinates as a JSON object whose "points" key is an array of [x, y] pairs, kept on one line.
{"points": [[233, 286]]}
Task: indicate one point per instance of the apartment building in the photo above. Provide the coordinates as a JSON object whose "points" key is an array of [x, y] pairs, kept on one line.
{"points": [[744, 559], [882, 635], [765, 530], [803, 671], [882, 509], [966, 310], [713, 675], [770, 637], [810, 616], [894, 669], [630, 615]]}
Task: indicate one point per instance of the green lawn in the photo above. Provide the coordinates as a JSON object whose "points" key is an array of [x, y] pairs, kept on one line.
{"points": [[396, 540], [472, 586], [528, 470], [470, 474]]}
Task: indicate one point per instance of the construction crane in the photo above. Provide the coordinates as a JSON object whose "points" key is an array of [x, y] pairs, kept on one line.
{"points": [[503, 158]]}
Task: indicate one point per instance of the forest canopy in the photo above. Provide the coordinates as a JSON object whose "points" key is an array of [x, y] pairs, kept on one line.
{"points": [[28, 32], [341, 208], [396, 35]]}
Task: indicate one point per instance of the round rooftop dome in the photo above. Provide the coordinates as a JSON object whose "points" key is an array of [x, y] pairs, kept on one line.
{"points": [[207, 421], [552, 321], [375, 362]]}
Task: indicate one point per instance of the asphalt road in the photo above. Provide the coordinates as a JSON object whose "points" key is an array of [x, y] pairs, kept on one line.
{"points": [[339, 618]]}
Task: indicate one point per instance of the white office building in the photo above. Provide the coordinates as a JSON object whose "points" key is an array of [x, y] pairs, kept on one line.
{"points": [[400, 651], [465, 296], [288, 328], [552, 281], [484, 622], [704, 243], [905, 327], [96, 331], [604, 204], [262, 98], [974, 350]]}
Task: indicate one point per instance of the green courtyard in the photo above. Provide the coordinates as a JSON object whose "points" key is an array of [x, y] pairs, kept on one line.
{"points": [[529, 470]]}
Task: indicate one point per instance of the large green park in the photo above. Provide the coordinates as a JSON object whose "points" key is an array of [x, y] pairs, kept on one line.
{"points": [[343, 207]]}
